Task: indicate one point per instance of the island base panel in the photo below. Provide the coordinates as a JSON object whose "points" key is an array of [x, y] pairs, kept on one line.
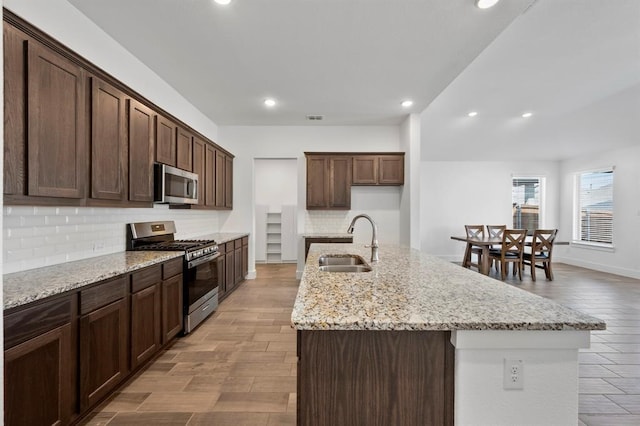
{"points": [[375, 378]]}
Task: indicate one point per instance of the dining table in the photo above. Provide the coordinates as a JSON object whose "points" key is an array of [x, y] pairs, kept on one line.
{"points": [[485, 243]]}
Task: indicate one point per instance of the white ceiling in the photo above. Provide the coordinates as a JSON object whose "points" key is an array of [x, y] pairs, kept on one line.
{"points": [[574, 63]]}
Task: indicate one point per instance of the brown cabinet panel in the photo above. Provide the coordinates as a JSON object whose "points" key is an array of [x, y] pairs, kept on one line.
{"points": [[238, 266], [199, 168], [391, 170], [222, 276], [172, 317], [220, 177], [141, 147], [245, 258], [165, 141], [56, 141], [103, 351], [108, 142], [172, 268], [340, 183], [230, 270], [365, 170], [145, 277], [38, 380], [14, 111], [210, 176], [184, 149], [317, 182], [228, 182], [102, 294], [145, 324]]}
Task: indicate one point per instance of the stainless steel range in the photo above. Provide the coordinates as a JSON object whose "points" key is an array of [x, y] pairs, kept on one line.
{"points": [[202, 270]]}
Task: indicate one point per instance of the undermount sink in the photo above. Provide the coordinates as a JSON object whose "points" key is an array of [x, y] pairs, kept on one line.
{"points": [[342, 263], [333, 259], [345, 268]]}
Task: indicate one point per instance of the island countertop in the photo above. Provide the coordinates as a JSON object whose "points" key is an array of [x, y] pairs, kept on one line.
{"points": [[411, 290]]}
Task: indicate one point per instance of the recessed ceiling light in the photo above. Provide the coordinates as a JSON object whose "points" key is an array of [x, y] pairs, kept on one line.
{"points": [[486, 4], [407, 103], [223, 2], [270, 102], [473, 113], [527, 114]]}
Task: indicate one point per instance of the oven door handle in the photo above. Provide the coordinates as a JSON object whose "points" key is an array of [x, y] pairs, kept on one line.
{"points": [[201, 260]]}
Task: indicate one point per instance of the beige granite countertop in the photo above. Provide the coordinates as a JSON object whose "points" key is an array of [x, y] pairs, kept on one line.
{"points": [[223, 237], [28, 286], [327, 235], [410, 290]]}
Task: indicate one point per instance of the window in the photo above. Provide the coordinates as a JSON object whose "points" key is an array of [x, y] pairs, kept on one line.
{"points": [[594, 218], [526, 196]]}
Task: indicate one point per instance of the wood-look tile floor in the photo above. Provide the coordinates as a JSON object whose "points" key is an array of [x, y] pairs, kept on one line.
{"points": [[239, 367]]}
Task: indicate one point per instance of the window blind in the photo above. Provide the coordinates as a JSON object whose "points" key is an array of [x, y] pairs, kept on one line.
{"points": [[595, 213], [525, 200]]}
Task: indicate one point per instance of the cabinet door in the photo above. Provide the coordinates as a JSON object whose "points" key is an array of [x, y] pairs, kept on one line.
{"points": [[245, 257], [210, 175], [199, 168], [340, 183], [222, 276], [56, 115], [230, 270], [165, 141], [108, 142], [141, 149], [38, 379], [317, 182], [365, 170], [145, 324], [228, 182], [184, 150], [391, 170], [238, 265], [15, 106], [220, 179], [172, 315], [103, 351]]}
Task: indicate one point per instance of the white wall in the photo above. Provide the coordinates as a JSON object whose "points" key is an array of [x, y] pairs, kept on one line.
{"points": [[276, 182], [249, 142], [455, 193], [35, 236], [625, 258]]}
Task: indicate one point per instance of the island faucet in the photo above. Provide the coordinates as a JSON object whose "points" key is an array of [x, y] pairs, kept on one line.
{"points": [[374, 235]]}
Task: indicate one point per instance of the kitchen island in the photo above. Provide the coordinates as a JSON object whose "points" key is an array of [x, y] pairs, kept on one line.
{"points": [[418, 340]]}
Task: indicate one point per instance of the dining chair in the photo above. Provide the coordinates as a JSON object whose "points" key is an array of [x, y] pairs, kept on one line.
{"points": [[511, 251], [473, 231], [541, 249], [495, 231]]}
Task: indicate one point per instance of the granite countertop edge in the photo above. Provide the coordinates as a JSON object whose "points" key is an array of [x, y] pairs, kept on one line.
{"points": [[411, 290]]}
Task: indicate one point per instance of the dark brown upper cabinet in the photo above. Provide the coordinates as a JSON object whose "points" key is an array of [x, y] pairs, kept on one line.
{"points": [[199, 165], [381, 169], [228, 182], [165, 141], [328, 182], [224, 181], [56, 141], [141, 149], [210, 175], [184, 149], [108, 142]]}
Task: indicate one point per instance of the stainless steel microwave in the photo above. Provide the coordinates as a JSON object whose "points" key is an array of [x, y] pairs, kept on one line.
{"points": [[174, 186]]}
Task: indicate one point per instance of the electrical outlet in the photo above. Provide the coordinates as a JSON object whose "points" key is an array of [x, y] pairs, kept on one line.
{"points": [[513, 374]]}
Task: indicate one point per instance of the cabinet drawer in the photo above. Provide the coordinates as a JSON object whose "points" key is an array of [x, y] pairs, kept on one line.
{"points": [[145, 278], [31, 322], [222, 247], [171, 268], [102, 294], [238, 243], [245, 241], [230, 247]]}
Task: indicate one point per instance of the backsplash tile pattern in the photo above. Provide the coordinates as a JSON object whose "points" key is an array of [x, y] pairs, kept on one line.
{"points": [[326, 221], [41, 236]]}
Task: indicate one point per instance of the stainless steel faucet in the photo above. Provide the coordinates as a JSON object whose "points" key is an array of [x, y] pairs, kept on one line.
{"points": [[374, 236]]}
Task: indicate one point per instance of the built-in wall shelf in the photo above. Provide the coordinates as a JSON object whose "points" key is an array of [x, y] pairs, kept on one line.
{"points": [[274, 237]]}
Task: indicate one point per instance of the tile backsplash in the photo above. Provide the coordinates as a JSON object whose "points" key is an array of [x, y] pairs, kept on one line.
{"points": [[41, 236], [329, 221]]}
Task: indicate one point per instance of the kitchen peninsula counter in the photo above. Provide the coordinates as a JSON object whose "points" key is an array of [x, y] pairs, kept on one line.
{"points": [[418, 340], [20, 288]]}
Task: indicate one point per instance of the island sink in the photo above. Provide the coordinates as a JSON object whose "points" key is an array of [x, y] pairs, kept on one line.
{"points": [[345, 268], [342, 263]]}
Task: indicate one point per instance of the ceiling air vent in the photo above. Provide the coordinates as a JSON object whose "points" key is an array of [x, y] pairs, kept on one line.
{"points": [[315, 117]]}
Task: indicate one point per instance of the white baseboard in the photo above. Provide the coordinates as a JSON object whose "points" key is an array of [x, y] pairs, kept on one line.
{"points": [[625, 272]]}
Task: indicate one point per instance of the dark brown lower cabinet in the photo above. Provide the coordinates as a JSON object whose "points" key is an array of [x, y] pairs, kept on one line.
{"points": [[145, 314], [230, 268], [172, 316], [348, 378], [245, 257], [222, 276], [40, 364], [238, 265], [103, 351]]}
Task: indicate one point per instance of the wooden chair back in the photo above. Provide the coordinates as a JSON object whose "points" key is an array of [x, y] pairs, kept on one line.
{"points": [[542, 243], [513, 242], [474, 231], [495, 231]]}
